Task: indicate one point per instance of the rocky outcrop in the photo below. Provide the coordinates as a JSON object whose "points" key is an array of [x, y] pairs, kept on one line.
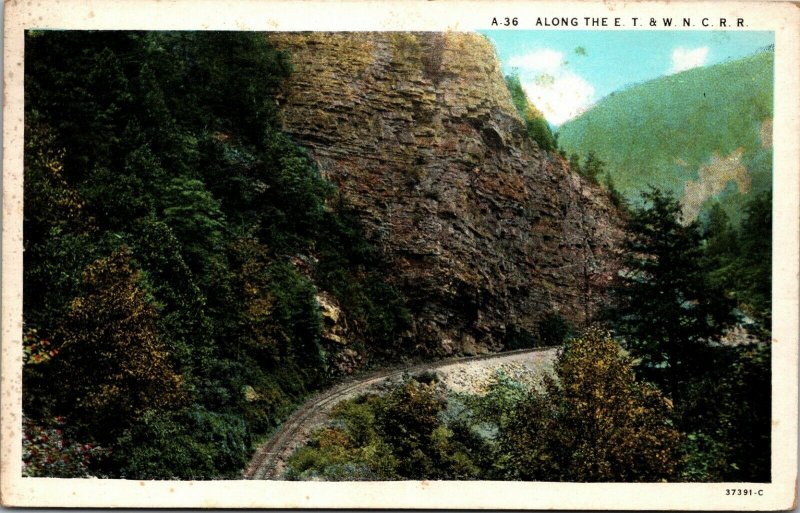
{"points": [[484, 233]]}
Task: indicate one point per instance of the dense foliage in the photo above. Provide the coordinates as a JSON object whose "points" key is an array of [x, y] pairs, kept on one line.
{"points": [[666, 308], [591, 422], [739, 258], [682, 292], [399, 435], [179, 247], [552, 330], [175, 245]]}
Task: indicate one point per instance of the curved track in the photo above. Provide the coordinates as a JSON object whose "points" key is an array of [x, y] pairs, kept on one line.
{"points": [[268, 462]]}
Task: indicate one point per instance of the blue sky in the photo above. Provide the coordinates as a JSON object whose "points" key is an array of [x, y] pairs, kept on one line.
{"points": [[564, 72]]}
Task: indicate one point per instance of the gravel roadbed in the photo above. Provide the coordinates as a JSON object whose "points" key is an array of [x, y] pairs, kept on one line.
{"points": [[472, 375]]}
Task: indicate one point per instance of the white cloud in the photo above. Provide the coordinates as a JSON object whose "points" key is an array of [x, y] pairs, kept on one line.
{"points": [[545, 60], [688, 58], [557, 92], [560, 97]]}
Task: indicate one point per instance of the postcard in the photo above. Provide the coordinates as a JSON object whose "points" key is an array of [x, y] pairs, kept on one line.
{"points": [[404, 254]]}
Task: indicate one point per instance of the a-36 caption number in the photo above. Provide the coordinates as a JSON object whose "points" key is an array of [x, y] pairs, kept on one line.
{"points": [[505, 22]]}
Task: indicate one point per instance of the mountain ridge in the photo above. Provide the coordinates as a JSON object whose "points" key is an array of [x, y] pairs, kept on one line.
{"points": [[703, 134]]}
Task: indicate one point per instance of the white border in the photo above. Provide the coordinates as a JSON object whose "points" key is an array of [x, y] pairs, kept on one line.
{"points": [[782, 18]]}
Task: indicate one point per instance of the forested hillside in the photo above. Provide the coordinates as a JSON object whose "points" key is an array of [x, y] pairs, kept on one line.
{"points": [[704, 135], [176, 243]]}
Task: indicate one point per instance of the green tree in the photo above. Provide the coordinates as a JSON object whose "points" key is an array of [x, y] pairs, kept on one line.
{"points": [[195, 218], [407, 421], [181, 306], [536, 125], [754, 265], [721, 246], [727, 413], [616, 197], [575, 163], [593, 422], [592, 167], [112, 364], [666, 309], [192, 443]]}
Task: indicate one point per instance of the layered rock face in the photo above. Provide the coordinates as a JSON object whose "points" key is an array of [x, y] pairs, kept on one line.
{"points": [[484, 233]]}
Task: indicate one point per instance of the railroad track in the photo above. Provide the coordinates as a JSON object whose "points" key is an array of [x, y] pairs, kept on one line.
{"points": [[269, 459]]}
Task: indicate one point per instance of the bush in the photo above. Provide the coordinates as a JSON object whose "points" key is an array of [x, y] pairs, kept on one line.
{"points": [[47, 452], [193, 444], [401, 435], [554, 330], [350, 449], [594, 422], [519, 338]]}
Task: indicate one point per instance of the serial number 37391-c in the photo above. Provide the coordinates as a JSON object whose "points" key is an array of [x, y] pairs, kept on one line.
{"points": [[743, 491]]}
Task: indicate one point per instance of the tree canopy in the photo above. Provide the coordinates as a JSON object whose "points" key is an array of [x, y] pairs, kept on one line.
{"points": [[176, 242], [667, 309]]}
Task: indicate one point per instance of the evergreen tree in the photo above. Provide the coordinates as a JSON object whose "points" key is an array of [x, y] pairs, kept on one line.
{"points": [[739, 260], [195, 218], [575, 163], [754, 266], [616, 197], [667, 310], [593, 167]]}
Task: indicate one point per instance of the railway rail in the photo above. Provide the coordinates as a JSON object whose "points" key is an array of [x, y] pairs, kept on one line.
{"points": [[269, 460]]}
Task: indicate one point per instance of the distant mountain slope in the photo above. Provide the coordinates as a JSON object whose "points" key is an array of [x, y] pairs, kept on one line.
{"points": [[704, 133]]}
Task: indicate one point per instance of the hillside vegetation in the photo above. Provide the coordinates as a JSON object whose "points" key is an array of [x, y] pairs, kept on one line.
{"points": [[703, 135], [176, 246]]}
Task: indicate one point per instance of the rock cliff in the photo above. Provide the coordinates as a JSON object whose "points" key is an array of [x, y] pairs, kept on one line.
{"points": [[484, 233]]}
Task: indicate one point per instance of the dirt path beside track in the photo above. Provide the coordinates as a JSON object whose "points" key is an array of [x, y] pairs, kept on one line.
{"points": [[459, 374]]}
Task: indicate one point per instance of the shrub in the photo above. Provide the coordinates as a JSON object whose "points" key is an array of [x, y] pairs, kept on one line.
{"points": [[192, 444], [594, 422], [554, 330], [519, 338], [47, 452]]}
